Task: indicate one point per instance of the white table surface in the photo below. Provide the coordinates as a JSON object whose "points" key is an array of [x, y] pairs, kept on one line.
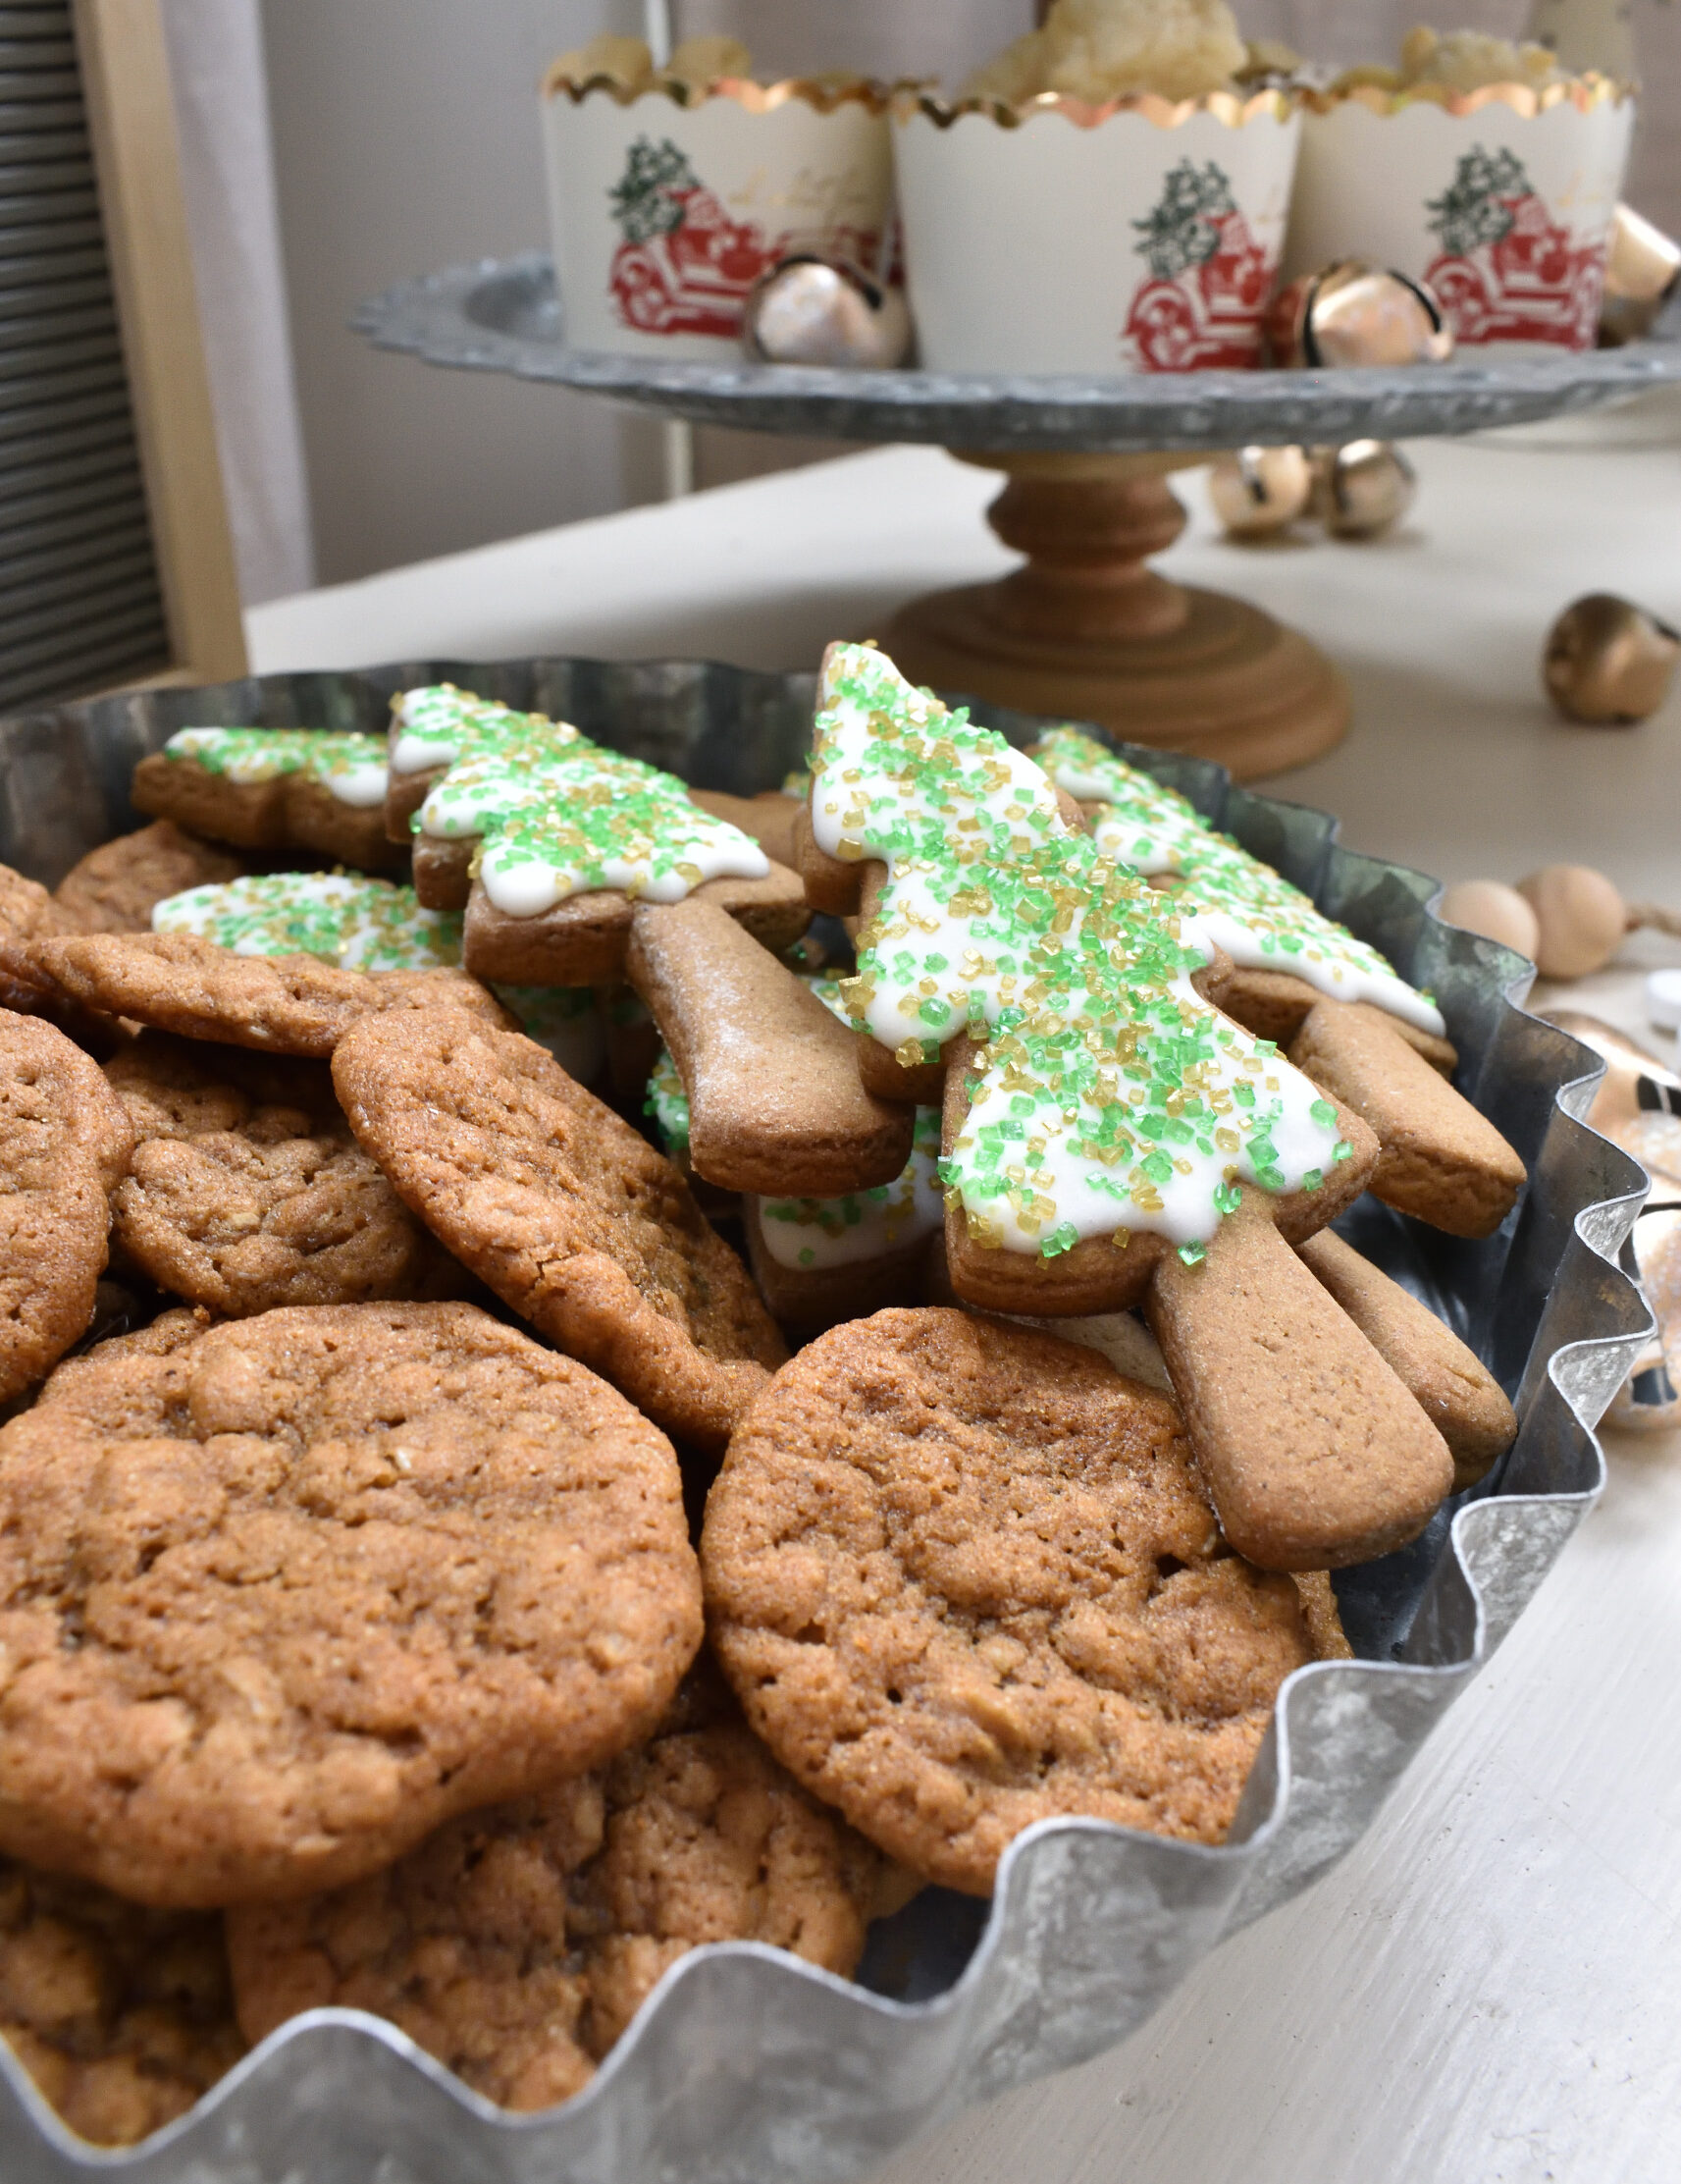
{"points": [[1487, 1990]]}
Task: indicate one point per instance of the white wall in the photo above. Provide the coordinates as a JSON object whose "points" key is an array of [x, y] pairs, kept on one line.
{"points": [[407, 138]]}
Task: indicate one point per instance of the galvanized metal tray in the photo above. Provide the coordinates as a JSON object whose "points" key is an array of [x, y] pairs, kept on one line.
{"points": [[504, 315], [746, 2066]]}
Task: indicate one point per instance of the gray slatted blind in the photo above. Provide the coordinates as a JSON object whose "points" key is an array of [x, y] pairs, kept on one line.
{"points": [[80, 604]]}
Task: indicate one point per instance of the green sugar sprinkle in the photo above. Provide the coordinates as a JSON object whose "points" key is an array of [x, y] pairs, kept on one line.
{"points": [[361, 925], [555, 815], [1110, 1095], [266, 754], [1251, 910]]}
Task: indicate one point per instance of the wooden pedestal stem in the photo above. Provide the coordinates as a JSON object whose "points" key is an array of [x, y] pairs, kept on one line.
{"points": [[1084, 630]]}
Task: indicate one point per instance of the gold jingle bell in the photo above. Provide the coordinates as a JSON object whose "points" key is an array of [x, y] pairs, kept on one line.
{"points": [[1256, 491], [1363, 487], [1352, 312], [1642, 271], [1608, 662], [809, 309]]}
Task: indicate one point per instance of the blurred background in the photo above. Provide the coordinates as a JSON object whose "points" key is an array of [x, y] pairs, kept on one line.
{"points": [[331, 148]]}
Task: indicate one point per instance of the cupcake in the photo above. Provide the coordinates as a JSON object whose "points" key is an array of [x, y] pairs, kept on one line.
{"points": [[1108, 195], [671, 190], [1477, 167]]}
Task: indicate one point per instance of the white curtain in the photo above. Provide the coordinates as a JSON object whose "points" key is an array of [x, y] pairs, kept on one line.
{"points": [[226, 158]]}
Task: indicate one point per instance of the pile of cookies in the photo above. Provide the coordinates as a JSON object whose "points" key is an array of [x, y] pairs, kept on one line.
{"points": [[427, 1582]]}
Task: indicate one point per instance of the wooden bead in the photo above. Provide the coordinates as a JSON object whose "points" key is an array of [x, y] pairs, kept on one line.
{"points": [[1581, 916], [1496, 911]]}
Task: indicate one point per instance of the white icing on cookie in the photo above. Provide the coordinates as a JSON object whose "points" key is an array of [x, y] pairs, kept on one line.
{"points": [[1110, 1097], [1238, 903]]}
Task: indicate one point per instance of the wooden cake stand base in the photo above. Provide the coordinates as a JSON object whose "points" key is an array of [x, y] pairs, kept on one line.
{"points": [[1084, 631]]}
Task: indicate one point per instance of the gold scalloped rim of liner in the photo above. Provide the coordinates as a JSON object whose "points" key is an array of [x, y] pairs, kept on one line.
{"points": [[1276, 102], [823, 95], [1584, 92]]}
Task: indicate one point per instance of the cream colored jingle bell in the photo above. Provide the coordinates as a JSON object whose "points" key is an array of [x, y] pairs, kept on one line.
{"points": [[811, 309], [1364, 488], [1260, 490]]}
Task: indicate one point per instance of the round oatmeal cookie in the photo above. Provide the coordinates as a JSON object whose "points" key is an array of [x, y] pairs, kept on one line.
{"points": [[65, 1141], [565, 1210], [28, 914], [962, 1578], [114, 888], [279, 1596], [284, 1004], [247, 1190], [123, 2016], [518, 1944]]}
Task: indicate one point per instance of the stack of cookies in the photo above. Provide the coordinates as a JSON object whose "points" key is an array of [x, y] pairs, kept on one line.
{"points": [[428, 1583]]}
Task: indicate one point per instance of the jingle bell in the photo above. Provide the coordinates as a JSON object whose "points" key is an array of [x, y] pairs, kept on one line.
{"points": [[1354, 313], [1259, 490], [816, 310], [1642, 271], [1608, 662], [1363, 488]]}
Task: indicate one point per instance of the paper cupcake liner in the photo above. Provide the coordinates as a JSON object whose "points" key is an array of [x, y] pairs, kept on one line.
{"points": [[1141, 235], [665, 206], [1499, 200]]}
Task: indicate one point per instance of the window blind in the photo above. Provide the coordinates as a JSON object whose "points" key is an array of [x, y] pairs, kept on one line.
{"points": [[80, 598]]}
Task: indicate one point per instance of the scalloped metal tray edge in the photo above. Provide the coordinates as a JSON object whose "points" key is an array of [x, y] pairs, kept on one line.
{"points": [[503, 316], [746, 2066]]}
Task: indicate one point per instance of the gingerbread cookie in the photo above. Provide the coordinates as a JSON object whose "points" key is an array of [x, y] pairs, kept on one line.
{"points": [[962, 1578], [1108, 1102], [1450, 1383], [1314, 1451], [290, 1005], [821, 1260], [1442, 1160], [343, 918], [280, 1596], [375, 925], [516, 1944], [565, 1210], [1251, 913], [123, 2016], [247, 1189], [65, 1142], [545, 839], [1279, 964], [274, 789], [114, 888], [775, 1098], [430, 729]]}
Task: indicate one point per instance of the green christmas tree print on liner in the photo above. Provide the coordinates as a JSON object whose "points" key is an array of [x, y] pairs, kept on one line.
{"points": [[1183, 229], [646, 199], [1472, 210]]}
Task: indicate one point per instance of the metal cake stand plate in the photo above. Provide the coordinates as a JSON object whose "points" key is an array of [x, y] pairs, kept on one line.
{"points": [[1083, 629]]}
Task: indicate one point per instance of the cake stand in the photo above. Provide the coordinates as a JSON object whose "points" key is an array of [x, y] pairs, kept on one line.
{"points": [[1083, 629]]}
